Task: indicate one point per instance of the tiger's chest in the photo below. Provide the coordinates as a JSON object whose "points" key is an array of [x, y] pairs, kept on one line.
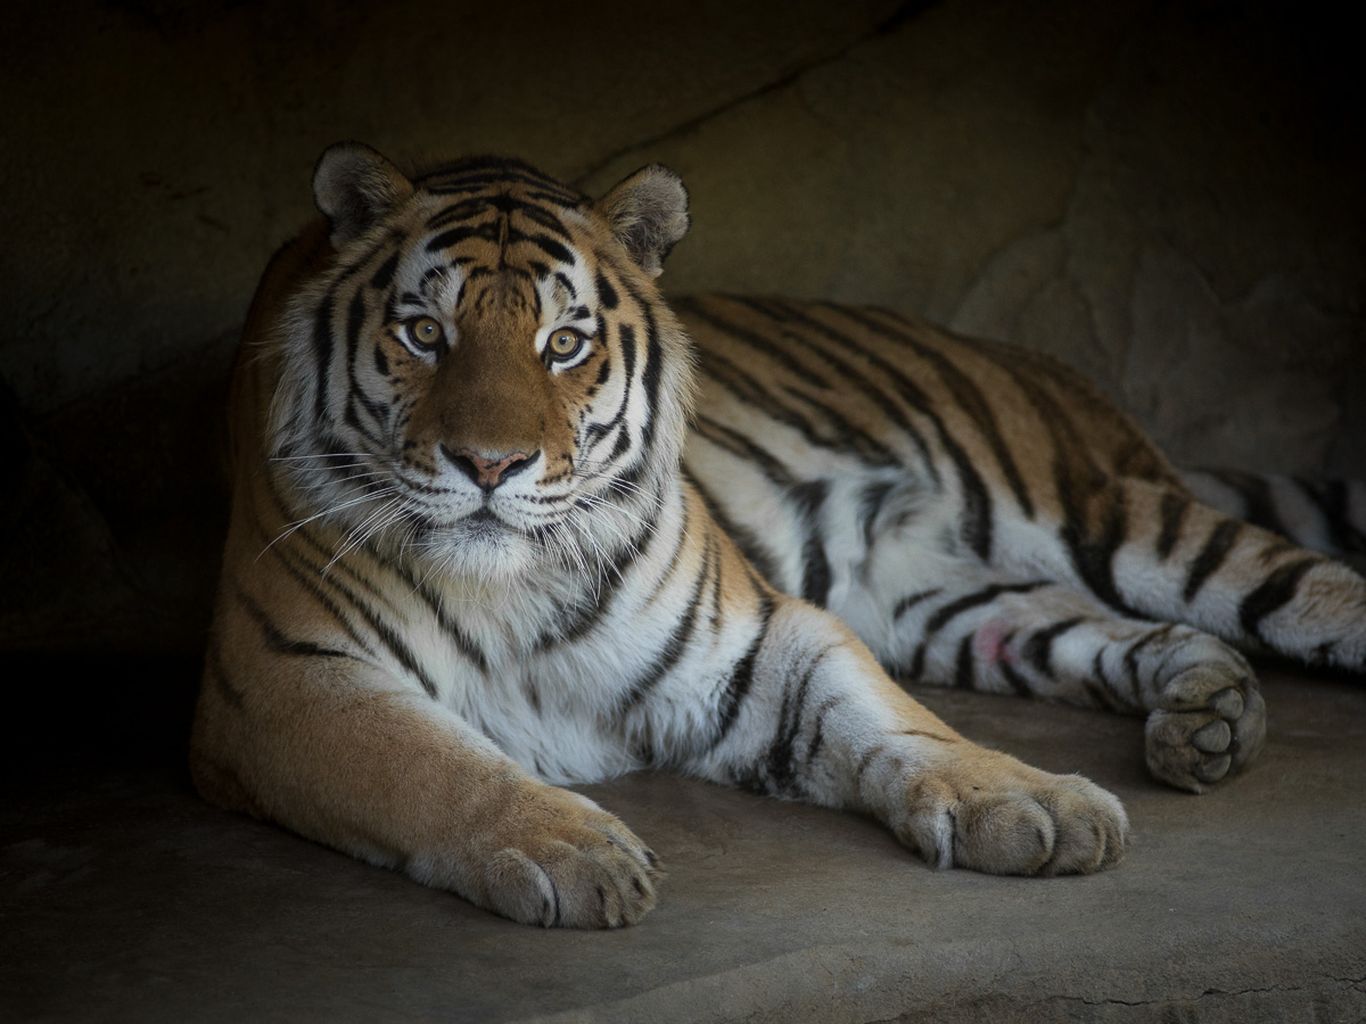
{"points": [[559, 709]]}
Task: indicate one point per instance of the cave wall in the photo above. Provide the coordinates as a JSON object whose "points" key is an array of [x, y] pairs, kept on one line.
{"points": [[1167, 196]]}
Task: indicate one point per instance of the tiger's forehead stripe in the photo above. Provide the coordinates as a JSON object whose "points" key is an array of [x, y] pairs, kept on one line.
{"points": [[499, 231], [480, 173], [503, 203], [506, 203]]}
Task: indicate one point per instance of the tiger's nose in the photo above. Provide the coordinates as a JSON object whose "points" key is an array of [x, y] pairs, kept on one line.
{"points": [[488, 470]]}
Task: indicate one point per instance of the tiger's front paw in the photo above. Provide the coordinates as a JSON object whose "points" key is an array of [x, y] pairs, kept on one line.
{"points": [[559, 860], [986, 811]]}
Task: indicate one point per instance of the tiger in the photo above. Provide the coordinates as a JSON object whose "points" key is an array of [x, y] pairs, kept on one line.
{"points": [[505, 521]]}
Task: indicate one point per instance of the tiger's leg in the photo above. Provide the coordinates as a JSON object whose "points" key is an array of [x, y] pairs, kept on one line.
{"points": [[1149, 550], [809, 714], [1205, 716], [348, 756]]}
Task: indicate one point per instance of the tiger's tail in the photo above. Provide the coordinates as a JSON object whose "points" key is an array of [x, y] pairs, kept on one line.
{"points": [[1323, 515]]}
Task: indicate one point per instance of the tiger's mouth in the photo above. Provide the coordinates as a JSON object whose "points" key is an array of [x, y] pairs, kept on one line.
{"points": [[484, 522], [481, 524]]}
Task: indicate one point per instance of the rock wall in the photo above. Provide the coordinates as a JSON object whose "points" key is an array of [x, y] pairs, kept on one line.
{"points": [[1169, 197]]}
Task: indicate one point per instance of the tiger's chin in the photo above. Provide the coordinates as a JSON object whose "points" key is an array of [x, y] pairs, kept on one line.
{"points": [[483, 547]]}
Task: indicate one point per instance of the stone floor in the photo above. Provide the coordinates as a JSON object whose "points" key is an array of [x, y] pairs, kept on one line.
{"points": [[124, 898]]}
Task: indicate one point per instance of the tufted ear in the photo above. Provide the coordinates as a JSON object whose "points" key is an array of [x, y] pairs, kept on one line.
{"points": [[354, 187], [648, 212]]}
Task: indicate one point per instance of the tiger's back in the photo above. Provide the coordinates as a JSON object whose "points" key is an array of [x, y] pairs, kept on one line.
{"points": [[816, 395]]}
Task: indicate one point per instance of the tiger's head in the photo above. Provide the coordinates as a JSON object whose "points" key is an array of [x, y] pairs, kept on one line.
{"points": [[484, 371]]}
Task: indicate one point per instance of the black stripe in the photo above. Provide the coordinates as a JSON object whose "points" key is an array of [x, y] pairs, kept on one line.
{"points": [[1093, 555], [352, 420], [967, 602], [1038, 649], [1131, 657], [218, 674], [276, 640], [715, 582], [969, 398], [310, 584], [844, 435], [652, 372], [1172, 512], [464, 643], [845, 438], [1331, 499], [607, 295], [809, 499], [460, 210], [964, 664], [547, 245], [866, 762], [764, 560], [977, 518], [1076, 476], [1017, 682], [391, 639], [977, 510], [304, 534], [1259, 505], [387, 635], [780, 761], [582, 618], [677, 642], [619, 448], [489, 232], [911, 600], [355, 321], [504, 204], [849, 373], [322, 354], [672, 562], [1212, 555], [1101, 694], [485, 171], [741, 677], [775, 774], [917, 669], [1275, 591], [385, 273], [626, 337], [547, 190], [742, 447], [818, 730], [757, 341], [870, 502]]}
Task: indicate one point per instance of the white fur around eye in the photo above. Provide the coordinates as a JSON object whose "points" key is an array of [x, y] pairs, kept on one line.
{"points": [[558, 363]]}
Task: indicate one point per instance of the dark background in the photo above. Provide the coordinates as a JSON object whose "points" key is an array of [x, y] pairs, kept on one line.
{"points": [[1168, 196]]}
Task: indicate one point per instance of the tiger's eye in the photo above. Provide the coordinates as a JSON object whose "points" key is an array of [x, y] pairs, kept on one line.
{"points": [[564, 343], [424, 332]]}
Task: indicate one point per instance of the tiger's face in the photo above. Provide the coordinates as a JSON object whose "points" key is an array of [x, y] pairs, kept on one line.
{"points": [[485, 372]]}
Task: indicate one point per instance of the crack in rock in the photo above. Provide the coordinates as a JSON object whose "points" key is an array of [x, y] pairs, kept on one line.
{"points": [[905, 11]]}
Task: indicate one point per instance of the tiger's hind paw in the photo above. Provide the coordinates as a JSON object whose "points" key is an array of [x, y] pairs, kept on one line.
{"points": [[1195, 748]]}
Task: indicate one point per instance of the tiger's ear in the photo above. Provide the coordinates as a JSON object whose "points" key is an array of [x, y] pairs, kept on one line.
{"points": [[648, 213], [354, 187]]}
